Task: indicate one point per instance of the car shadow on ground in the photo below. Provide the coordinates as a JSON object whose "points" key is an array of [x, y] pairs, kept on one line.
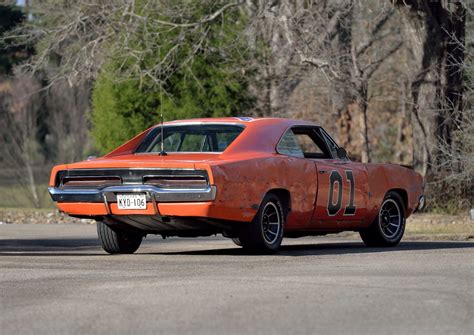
{"points": [[49, 247], [333, 248], [91, 247], [66, 246]]}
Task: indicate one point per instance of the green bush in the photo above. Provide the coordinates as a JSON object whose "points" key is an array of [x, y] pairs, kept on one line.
{"points": [[208, 84], [120, 111]]}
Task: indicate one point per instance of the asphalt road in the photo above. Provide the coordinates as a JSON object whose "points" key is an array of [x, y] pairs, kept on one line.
{"points": [[54, 279]]}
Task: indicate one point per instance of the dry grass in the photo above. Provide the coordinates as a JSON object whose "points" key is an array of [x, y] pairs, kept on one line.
{"points": [[439, 227], [16, 196]]}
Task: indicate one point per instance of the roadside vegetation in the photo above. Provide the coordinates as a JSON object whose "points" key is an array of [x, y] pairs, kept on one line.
{"points": [[392, 80]]}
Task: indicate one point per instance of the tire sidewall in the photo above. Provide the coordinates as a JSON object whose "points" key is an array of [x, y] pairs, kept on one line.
{"points": [[394, 240], [117, 241], [259, 221], [129, 241]]}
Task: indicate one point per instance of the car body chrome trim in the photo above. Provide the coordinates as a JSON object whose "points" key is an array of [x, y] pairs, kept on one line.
{"points": [[421, 202], [154, 194]]}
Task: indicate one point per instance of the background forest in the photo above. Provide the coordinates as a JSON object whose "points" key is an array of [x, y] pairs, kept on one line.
{"points": [[391, 80]]}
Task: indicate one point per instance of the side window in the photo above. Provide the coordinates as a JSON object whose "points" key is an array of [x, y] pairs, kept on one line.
{"points": [[308, 146], [224, 140], [312, 143], [330, 142], [289, 145]]}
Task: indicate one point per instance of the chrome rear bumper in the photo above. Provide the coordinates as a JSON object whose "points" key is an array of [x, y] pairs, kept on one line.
{"points": [[153, 193]]}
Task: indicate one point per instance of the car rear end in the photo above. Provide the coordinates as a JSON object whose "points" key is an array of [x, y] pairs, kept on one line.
{"points": [[162, 173], [99, 191]]}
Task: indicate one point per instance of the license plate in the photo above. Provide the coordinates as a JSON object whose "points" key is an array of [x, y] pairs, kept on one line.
{"points": [[131, 201]]}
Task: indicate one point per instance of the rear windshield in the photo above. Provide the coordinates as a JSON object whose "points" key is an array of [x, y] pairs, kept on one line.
{"points": [[191, 138]]}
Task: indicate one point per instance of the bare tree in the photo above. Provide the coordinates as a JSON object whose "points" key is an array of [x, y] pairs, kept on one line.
{"points": [[367, 57], [83, 34], [322, 37], [273, 58], [19, 114], [68, 121], [454, 181], [431, 28]]}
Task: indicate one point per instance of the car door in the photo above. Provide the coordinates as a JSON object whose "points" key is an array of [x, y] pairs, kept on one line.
{"points": [[343, 189]]}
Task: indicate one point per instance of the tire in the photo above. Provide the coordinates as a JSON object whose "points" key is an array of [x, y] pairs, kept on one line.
{"points": [[236, 241], [263, 235], [389, 225], [117, 241]]}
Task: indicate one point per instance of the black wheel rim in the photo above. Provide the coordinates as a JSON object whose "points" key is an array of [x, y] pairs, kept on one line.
{"points": [[271, 223], [390, 218]]}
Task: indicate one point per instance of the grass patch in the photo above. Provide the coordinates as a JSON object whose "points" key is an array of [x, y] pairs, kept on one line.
{"points": [[15, 196], [439, 227]]}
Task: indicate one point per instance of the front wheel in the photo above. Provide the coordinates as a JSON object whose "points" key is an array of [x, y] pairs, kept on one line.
{"points": [[116, 241], [389, 225], [265, 233]]}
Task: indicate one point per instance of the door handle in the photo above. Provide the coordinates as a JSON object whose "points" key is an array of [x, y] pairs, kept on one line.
{"points": [[322, 171]]}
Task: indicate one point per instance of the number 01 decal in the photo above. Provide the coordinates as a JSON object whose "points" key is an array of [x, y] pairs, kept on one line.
{"points": [[333, 208]]}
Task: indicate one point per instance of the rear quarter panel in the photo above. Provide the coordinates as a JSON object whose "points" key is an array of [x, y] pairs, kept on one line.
{"points": [[243, 183]]}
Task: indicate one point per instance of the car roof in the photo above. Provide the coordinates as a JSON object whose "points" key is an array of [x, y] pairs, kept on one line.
{"points": [[259, 135], [245, 120]]}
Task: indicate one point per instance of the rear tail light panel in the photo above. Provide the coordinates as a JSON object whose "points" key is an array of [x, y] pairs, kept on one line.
{"points": [[177, 182], [90, 181], [162, 178]]}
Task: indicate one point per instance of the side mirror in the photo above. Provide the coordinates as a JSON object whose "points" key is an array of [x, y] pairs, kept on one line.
{"points": [[341, 153]]}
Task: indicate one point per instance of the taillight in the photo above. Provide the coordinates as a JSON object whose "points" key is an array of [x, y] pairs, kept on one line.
{"points": [[177, 182], [90, 181]]}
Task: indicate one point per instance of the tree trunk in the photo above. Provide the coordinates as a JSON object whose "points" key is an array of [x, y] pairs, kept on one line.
{"points": [[342, 95], [364, 131], [273, 62], [32, 184], [404, 144], [436, 87]]}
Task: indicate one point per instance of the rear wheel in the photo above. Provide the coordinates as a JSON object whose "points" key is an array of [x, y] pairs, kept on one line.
{"points": [[117, 241], [388, 228], [265, 233], [236, 241]]}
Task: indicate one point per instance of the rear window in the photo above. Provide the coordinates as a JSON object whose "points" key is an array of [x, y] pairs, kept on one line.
{"points": [[191, 138]]}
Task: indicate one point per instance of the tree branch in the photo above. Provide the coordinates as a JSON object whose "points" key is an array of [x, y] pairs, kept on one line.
{"points": [[369, 70], [375, 32]]}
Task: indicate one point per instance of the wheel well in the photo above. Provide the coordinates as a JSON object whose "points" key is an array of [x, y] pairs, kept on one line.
{"points": [[401, 192], [284, 196]]}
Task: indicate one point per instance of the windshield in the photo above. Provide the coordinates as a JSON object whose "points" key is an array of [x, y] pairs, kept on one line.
{"points": [[191, 138]]}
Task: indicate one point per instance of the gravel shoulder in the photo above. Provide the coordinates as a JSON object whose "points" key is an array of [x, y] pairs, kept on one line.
{"points": [[424, 226]]}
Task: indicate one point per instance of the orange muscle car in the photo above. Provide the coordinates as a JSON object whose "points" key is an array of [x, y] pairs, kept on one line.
{"points": [[251, 180]]}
